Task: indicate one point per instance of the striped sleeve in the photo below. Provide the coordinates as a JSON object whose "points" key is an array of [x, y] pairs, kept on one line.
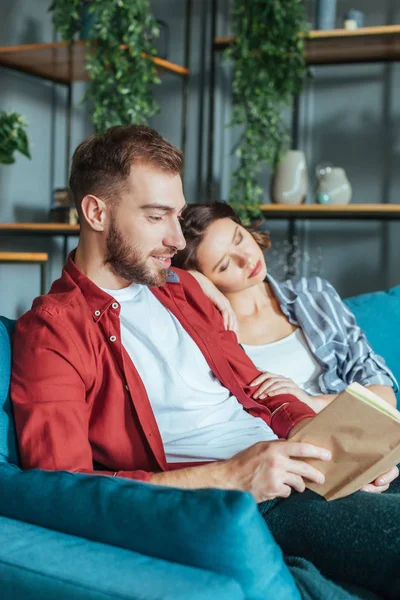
{"points": [[361, 363]]}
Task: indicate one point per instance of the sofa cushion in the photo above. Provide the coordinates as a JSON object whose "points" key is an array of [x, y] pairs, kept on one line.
{"points": [[212, 530], [39, 564], [378, 315], [8, 444]]}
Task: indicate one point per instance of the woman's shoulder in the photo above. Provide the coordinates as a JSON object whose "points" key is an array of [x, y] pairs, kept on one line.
{"points": [[313, 285]]}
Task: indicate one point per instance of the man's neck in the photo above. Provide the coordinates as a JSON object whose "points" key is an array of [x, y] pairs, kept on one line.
{"points": [[90, 262]]}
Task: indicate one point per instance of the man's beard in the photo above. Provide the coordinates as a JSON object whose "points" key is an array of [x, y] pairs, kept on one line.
{"points": [[126, 261]]}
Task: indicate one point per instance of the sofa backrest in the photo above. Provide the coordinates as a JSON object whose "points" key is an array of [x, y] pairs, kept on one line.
{"points": [[378, 315], [8, 444]]}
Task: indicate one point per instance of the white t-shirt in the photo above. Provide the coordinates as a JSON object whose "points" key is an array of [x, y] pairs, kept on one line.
{"points": [[290, 357], [198, 418]]}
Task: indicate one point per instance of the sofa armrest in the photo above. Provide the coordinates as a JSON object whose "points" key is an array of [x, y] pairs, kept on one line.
{"points": [[216, 530]]}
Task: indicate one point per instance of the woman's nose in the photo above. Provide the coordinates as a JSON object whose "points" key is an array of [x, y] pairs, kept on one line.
{"points": [[244, 259]]}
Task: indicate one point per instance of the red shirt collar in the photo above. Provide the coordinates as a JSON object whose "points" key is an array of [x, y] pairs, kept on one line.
{"points": [[98, 301]]}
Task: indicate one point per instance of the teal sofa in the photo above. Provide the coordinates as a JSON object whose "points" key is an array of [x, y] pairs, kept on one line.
{"points": [[72, 536]]}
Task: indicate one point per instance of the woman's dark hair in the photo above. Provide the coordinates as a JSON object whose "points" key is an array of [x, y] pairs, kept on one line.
{"points": [[196, 218]]}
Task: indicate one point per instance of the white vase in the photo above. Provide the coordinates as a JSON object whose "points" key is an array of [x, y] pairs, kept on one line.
{"points": [[290, 181], [334, 182]]}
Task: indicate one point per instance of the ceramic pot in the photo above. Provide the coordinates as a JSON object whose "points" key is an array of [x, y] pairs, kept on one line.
{"points": [[290, 181], [335, 184], [326, 14]]}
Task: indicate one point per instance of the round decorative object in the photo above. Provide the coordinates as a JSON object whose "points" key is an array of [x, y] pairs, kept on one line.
{"points": [[290, 182], [323, 198], [335, 184]]}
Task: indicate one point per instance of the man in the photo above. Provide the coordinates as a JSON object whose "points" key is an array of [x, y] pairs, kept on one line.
{"points": [[125, 369]]}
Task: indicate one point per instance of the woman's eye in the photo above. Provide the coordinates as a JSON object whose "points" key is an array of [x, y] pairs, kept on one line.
{"points": [[154, 219], [224, 267], [239, 239]]}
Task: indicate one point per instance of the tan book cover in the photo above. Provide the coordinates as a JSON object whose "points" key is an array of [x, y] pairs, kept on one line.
{"points": [[363, 433]]}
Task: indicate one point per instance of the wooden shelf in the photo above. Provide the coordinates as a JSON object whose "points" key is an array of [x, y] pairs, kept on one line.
{"points": [[329, 211], [59, 62], [341, 46], [23, 257], [49, 229]]}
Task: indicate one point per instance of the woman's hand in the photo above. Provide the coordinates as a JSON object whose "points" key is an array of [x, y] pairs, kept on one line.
{"points": [[271, 385], [381, 484], [219, 301]]}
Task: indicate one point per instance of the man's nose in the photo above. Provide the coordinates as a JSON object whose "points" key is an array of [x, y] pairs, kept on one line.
{"points": [[175, 236]]}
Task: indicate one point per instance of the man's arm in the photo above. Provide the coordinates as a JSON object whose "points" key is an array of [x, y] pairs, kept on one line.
{"points": [[48, 391], [267, 470]]}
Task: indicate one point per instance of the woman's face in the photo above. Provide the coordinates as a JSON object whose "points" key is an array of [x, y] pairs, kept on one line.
{"points": [[230, 257]]}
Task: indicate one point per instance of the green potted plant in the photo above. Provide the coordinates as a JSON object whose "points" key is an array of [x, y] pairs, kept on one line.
{"points": [[269, 69], [13, 137], [121, 40]]}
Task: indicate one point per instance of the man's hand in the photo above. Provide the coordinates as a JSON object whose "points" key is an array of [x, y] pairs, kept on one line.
{"points": [[219, 301], [267, 470], [381, 484], [272, 469]]}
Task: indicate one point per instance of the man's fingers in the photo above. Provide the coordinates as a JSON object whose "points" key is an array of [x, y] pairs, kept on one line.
{"points": [[306, 471], [296, 482], [305, 450]]}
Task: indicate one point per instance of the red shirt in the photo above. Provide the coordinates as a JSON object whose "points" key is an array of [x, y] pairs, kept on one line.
{"points": [[79, 403]]}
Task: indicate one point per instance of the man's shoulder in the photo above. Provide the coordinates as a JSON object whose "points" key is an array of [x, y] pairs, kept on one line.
{"points": [[185, 279], [58, 306], [193, 295]]}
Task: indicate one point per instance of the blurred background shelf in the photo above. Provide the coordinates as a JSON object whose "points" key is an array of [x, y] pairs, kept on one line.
{"points": [[328, 211], [62, 63], [343, 46]]}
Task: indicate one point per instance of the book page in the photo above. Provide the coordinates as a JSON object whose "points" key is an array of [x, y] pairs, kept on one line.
{"points": [[366, 395]]}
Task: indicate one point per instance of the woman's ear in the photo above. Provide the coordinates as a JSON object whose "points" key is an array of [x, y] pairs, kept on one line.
{"points": [[94, 212]]}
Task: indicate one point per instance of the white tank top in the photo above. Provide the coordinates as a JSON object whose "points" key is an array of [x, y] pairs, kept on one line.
{"points": [[290, 357]]}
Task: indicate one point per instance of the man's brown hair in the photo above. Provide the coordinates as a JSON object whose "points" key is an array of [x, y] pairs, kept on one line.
{"points": [[102, 163]]}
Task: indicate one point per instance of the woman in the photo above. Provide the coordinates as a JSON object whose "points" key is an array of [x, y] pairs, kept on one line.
{"points": [[310, 343], [298, 331]]}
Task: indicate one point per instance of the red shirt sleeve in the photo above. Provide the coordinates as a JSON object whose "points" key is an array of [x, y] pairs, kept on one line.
{"points": [[48, 391]]}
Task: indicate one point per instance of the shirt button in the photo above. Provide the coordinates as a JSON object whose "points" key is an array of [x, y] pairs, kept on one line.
{"points": [[97, 313], [113, 338], [114, 304]]}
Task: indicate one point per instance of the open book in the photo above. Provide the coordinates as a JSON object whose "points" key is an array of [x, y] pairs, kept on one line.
{"points": [[363, 433]]}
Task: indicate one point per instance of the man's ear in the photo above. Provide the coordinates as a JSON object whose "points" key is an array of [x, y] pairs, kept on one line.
{"points": [[94, 211]]}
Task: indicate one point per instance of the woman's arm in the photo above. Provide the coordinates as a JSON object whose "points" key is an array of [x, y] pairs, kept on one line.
{"points": [[360, 363]]}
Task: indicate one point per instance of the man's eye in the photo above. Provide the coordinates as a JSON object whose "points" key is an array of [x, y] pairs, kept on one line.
{"points": [[154, 219], [224, 267]]}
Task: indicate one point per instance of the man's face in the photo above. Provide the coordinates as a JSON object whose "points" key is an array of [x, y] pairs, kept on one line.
{"points": [[144, 230]]}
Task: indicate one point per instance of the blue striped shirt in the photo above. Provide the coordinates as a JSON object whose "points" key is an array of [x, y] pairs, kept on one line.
{"points": [[331, 330]]}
